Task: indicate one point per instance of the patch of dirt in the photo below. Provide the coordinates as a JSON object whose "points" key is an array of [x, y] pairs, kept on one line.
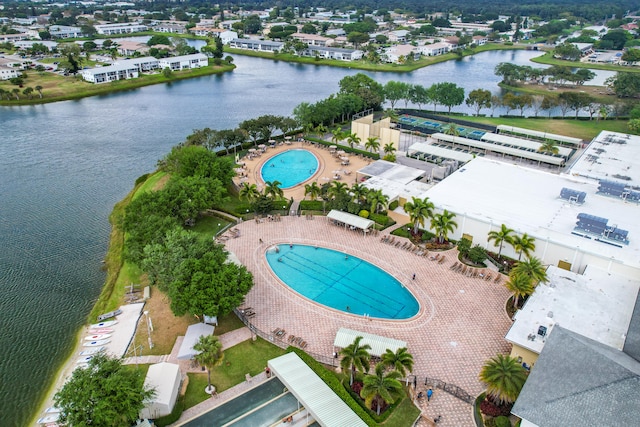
{"points": [[161, 183]]}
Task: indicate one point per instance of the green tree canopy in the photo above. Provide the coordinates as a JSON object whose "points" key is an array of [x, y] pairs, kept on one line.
{"points": [[355, 356], [504, 377], [499, 237], [104, 394], [210, 353], [364, 87], [479, 99], [381, 386]]}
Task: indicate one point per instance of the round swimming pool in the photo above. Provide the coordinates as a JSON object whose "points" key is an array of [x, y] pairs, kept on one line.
{"points": [[341, 281], [290, 167]]}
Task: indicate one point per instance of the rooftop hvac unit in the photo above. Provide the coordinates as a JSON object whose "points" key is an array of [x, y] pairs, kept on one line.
{"points": [[611, 187], [591, 223], [572, 195]]}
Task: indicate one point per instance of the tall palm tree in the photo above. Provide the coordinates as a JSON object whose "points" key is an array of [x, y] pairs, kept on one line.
{"points": [[358, 193], [451, 129], [210, 353], [418, 211], [520, 285], [549, 147], [377, 199], [372, 144], [320, 129], [389, 148], [337, 188], [312, 190], [249, 192], [355, 356], [443, 224], [401, 360], [504, 377], [39, 89], [533, 268], [381, 386], [499, 237], [273, 190], [524, 244], [353, 139], [337, 135]]}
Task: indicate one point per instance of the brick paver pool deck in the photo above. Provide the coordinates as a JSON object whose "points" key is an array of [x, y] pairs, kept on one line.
{"points": [[461, 322]]}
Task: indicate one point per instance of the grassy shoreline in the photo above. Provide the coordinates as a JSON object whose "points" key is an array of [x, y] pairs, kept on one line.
{"points": [[60, 88], [548, 59]]}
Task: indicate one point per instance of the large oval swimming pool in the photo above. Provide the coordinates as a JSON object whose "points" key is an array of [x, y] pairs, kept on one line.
{"points": [[290, 167], [342, 282]]}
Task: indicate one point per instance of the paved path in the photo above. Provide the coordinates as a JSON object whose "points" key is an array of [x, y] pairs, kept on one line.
{"points": [[460, 325]]}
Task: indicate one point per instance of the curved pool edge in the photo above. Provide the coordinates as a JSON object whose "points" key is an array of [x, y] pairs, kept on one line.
{"points": [[316, 173], [421, 309]]}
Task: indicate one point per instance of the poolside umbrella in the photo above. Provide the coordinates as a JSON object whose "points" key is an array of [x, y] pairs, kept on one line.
{"points": [[261, 146], [333, 147], [252, 150]]}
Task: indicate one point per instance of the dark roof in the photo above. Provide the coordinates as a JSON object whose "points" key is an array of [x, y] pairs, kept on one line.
{"points": [[632, 342], [579, 382]]}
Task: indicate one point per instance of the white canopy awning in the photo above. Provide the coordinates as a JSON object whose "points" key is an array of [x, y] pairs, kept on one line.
{"points": [[194, 332], [379, 345], [350, 219], [323, 404]]}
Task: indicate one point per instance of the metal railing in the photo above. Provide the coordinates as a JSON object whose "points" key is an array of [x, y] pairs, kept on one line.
{"points": [[452, 389]]}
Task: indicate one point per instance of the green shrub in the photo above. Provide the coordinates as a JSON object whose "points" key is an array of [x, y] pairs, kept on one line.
{"points": [[364, 213], [311, 205], [393, 205], [380, 219], [477, 254], [464, 245], [142, 178], [502, 421]]}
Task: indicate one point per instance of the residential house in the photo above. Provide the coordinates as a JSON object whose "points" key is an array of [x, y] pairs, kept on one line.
{"points": [[335, 32], [225, 35], [171, 27], [228, 25], [184, 62], [259, 45], [454, 42], [9, 69], [64, 32], [110, 73], [125, 28], [398, 54], [398, 36], [130, 48], [333, 53], [313, 39], [434, 49], [479, 40]]}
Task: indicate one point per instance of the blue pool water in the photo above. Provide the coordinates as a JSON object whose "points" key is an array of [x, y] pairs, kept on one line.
{"points": [[291, 167], [341, 281]]}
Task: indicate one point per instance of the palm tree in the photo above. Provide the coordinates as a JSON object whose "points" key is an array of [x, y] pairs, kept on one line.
{"points": [[520, 285], [381, 386], [401, 360], [16, 92], [372, 144], [358, 193], [549, 147], [355, 356], [524, 244], [312, 190], [338, 135], [533, 268], [272, 189], [389, 148], [249, 192], [504, 377], [443, 224], [337, 188], [39, 89], [500, 237], [451, 129], [320, 129], [210, 353], [418, 211], [353, 139], [377, 199]]}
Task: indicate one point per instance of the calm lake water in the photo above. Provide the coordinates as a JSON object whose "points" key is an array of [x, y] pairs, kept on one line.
{"points": [[63, 166]]}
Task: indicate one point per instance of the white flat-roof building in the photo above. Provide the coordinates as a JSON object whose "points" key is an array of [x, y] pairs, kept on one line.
{"points": [[398, 182], [184, 62], [126, 28], [110, 73], [596, 304], [487, 193], [165, 378]]}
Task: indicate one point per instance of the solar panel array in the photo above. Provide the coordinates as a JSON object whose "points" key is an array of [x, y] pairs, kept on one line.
{"points": [[573, 195]]}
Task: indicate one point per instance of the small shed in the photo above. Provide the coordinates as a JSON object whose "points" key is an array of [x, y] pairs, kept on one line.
{"points": [[165, 379], [194, 332]]}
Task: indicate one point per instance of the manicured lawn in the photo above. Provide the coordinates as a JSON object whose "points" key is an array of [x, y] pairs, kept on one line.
{"points": [[228, 323], [209, 226], [403, 415], [585, 129], [248, 357]]}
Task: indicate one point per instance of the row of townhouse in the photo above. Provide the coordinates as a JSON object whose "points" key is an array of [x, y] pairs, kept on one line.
{"points": [[131, 68], [9, 69], [398, 53], [127, 28], [312, 51]]}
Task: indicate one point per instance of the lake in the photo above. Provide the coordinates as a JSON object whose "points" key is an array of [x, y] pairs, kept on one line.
{"points": [[65, 165]]}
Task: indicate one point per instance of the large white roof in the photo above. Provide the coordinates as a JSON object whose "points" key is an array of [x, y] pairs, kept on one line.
{"points": [[612, 156], [350, 219], [596, 304], [379, 344], [194, 332], [322, 403], [392, 171], [164, 377], [513, 141], [527, 200], [446, 153]]}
